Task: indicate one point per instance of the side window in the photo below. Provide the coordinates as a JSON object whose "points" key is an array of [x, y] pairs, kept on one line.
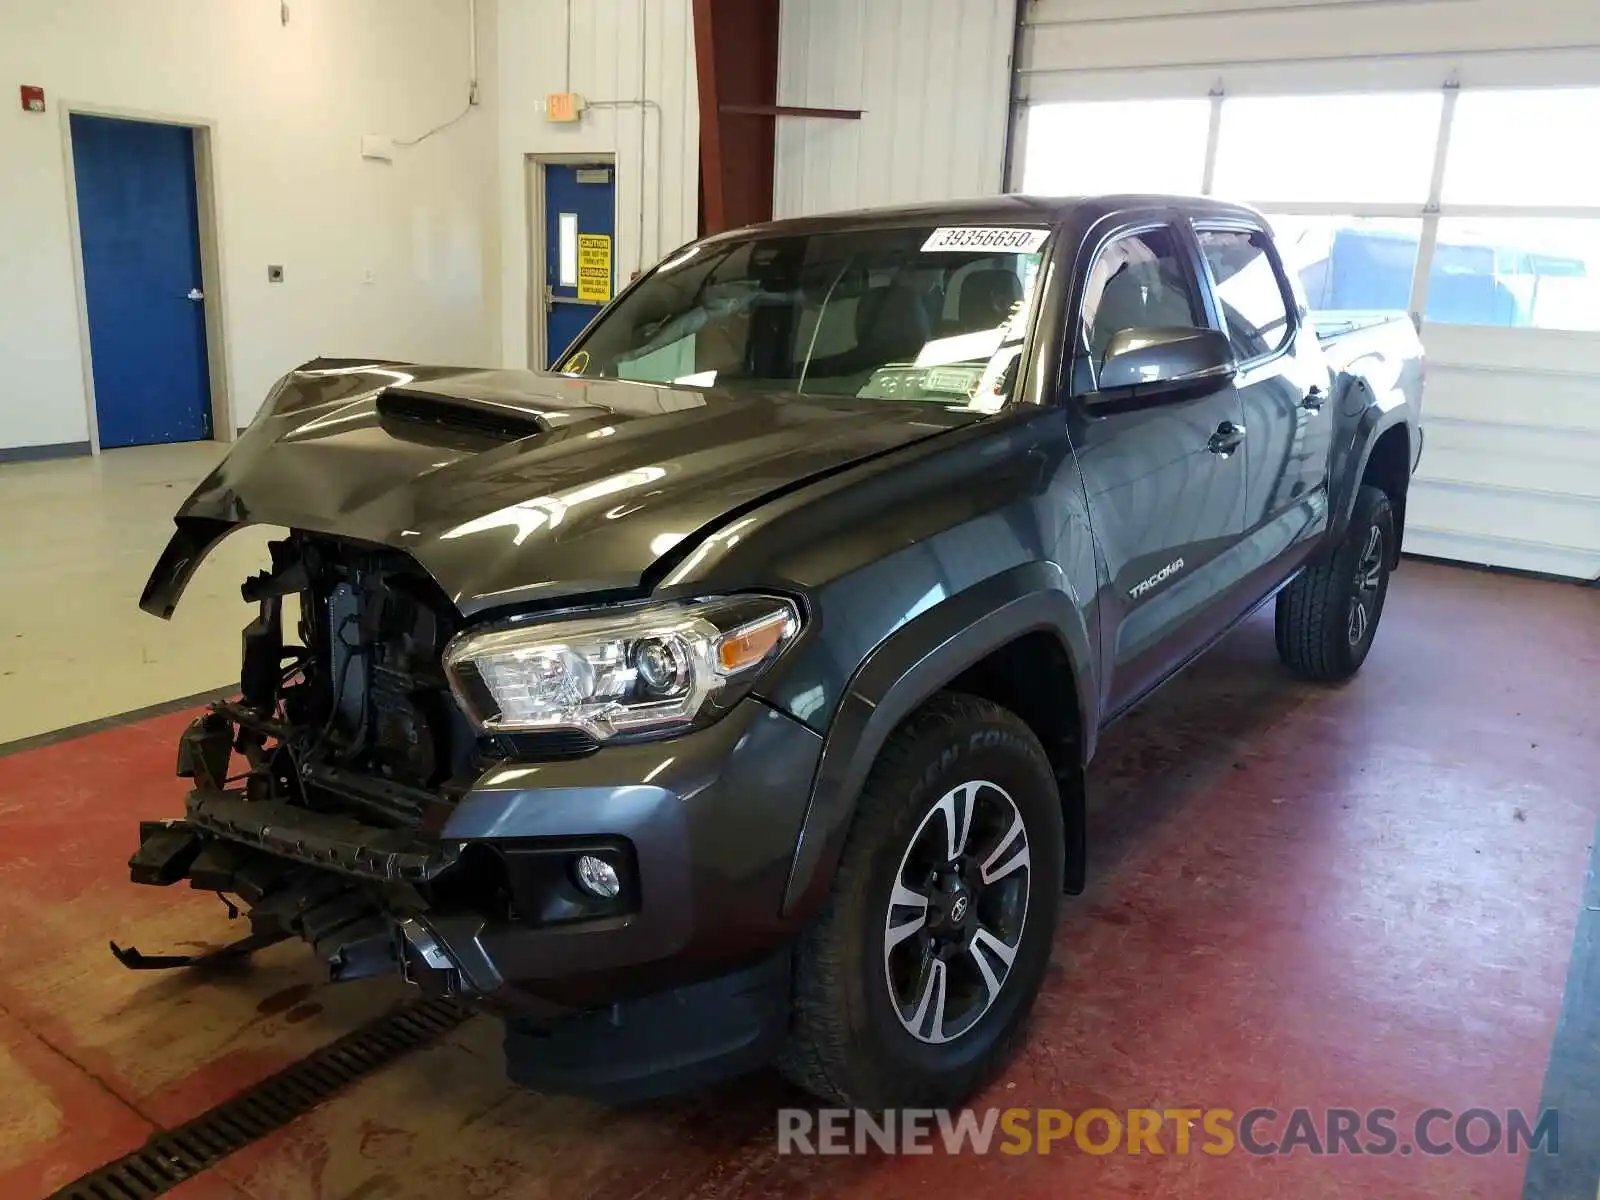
{"points": [[1250, 290], [1139, 281]]}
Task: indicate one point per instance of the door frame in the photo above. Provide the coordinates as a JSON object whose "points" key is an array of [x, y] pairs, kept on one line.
{"points": [[534, 165], [203, 130]]}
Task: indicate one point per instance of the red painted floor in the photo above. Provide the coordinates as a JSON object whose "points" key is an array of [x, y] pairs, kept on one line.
{"points": [[1360, 897]]}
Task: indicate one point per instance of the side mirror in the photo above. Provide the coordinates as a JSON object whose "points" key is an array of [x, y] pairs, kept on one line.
{"points": [[1155, 360]]}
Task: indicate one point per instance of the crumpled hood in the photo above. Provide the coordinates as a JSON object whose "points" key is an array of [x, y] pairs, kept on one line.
{"points": [[509, 486]]}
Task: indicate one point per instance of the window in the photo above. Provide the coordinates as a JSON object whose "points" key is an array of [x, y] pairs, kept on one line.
{"points": [[1376, 148], [1517, 272], [908, 313], [1249, 289], [1349, 179], [1529, 148], [1138, 281], [1350, 264], [567, 256], [1117, 146]]}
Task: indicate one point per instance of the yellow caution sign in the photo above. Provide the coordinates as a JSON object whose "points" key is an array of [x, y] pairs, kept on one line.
{"points": [[594, 266]]}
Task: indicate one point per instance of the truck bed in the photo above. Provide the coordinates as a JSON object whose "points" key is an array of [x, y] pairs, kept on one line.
{"points": [[1348, 336]]}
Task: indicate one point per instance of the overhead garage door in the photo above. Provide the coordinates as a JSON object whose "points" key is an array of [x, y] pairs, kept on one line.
{"points": [[1430, 156]]}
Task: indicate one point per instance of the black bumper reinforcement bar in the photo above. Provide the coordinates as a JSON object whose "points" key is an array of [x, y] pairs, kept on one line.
{"points": [[327, 840]]}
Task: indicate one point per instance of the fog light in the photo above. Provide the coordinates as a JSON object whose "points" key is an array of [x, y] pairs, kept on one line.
{"points": [[598, 877]]}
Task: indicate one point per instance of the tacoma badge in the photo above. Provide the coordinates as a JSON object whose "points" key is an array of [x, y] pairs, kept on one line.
{"points": [[1166, 572]]}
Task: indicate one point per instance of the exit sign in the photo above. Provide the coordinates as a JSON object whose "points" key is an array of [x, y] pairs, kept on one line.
{"points": [[562, 106]]}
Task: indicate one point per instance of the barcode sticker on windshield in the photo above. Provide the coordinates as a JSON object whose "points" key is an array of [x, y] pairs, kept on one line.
{"points": [[986, 237]]}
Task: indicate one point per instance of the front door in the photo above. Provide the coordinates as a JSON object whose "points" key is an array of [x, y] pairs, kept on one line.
{"points": [[579, 266], [1164, 480], [139, 225]]}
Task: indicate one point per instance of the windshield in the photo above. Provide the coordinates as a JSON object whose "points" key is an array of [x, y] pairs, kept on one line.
{"points": [[914, 313]]}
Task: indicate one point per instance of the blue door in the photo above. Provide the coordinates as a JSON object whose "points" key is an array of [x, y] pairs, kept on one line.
{"points": [[579, 244], [139, 224]]}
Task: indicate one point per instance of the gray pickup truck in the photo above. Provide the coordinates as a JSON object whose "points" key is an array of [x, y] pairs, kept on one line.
{"points": [[725, 696]]}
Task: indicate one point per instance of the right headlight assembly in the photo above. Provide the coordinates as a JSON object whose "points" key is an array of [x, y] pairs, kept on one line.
{"points": [[654, 668]]}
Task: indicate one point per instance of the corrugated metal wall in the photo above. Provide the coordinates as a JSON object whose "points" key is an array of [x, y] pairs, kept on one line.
{"points": [[932, 77], [1511, 475], [620, 51]]}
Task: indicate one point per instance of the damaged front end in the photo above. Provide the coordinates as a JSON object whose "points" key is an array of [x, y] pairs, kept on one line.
{"points": [[361, 792], [320, 793]]}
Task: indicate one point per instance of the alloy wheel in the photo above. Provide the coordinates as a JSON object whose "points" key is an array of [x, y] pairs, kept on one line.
{"points": [[1369, 576], [957, 911]]}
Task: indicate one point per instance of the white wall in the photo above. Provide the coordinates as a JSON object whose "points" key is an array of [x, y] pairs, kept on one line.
{"points": [[290, 104], [932, 78], [623, 50]]}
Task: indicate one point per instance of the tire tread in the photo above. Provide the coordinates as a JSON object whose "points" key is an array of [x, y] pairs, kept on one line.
{"points": [[817, 1056], [1308, 620]]}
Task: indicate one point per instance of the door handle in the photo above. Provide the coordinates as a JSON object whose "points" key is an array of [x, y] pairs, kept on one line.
{"points": [[1314, 399], [196, 294], [1226, 439]]}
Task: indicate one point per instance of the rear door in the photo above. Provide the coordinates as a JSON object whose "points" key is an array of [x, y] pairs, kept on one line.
{"points": [[1282, 386], [1166, 494]]}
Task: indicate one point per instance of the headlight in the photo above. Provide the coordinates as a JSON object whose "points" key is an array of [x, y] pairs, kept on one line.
{"points": [[657, 667]]}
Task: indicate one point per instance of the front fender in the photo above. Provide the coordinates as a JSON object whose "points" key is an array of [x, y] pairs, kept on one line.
{"points": [[902, 672], [195, 538]]}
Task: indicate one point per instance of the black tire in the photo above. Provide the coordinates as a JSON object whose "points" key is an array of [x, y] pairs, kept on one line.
{"points": [[1327, 618], [848, 1044]]}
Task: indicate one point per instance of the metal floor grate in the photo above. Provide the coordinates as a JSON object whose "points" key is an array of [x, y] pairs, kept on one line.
{"points": [[174, 1155]]}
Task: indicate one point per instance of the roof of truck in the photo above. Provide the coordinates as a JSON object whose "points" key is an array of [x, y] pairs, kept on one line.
{"points": [[1016, 208]]}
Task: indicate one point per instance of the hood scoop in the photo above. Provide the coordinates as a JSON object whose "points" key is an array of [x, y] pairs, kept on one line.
{"points": [[473, 423]]}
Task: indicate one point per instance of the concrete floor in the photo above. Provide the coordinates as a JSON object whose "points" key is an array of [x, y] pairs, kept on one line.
{"points": [[79, 538], [1300, 896]]}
